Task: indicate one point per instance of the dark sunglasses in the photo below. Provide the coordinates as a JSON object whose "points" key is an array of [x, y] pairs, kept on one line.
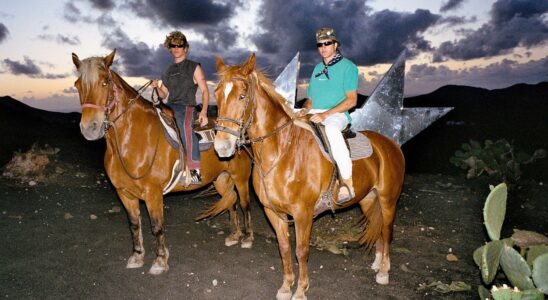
{"points": [[176, 46], [328, 43]]}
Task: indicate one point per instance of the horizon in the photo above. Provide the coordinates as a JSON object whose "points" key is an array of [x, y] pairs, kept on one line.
{"points": [[492, 44]]}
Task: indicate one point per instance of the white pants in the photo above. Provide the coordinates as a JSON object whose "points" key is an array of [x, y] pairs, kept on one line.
{"points": [[334, 124]]}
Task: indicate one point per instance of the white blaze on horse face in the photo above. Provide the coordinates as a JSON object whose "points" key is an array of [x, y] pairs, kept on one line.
{"points": [[228, 89], [225, 144]]}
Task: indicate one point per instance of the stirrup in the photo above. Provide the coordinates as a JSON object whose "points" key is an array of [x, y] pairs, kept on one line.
{"points": [[195, 177], [348, 196]]}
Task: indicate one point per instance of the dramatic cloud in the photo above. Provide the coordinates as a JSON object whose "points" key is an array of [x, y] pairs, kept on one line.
{"points": [[424, 78], [209, 17], [102, 4], [368, 38], [73, 14], [513, 23], [29, 68], [451, 4], [61, 39], [3, 32]]}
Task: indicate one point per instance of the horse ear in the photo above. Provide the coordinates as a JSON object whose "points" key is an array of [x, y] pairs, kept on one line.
{"points": [[249, 65], [219, 64], [110, 58], [76, 60]]}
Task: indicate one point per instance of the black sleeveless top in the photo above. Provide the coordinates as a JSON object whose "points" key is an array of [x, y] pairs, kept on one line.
{"points": [[179, 80]]}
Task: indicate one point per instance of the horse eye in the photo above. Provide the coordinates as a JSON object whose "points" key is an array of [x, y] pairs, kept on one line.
{"points": [[242, 96], [105, 83]]}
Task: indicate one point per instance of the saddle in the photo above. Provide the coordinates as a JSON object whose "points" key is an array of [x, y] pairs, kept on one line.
{"points": [[358, 145]]}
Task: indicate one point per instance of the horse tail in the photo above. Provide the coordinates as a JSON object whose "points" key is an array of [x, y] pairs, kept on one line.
{"points": [[371, 223], [225, 187]]}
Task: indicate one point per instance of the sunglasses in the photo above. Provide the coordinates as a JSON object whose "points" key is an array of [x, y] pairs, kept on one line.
{"points": [[176, 46], [328, 43]]}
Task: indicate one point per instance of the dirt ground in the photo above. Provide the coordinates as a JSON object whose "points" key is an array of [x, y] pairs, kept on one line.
{"points": [[69, 239]]}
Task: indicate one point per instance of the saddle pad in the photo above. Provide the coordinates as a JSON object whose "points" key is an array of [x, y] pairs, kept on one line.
{"points": [[360, 146], [170, 133]]}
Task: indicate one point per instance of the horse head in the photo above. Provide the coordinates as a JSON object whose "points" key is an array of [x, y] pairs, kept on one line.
{"points": [[234, 95], [95, 89]]}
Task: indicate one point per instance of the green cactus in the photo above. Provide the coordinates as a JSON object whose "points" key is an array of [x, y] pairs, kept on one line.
{"points": [[529, 277], [540, 273], [516, 269], [498, 159], [494, 210]]}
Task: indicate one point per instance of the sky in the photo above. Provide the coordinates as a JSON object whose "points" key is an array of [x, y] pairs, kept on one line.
{"points": [[488, 44]]}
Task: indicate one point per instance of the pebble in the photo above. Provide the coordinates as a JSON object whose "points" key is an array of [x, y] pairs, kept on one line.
{"points": [[68, 216], [214, 282], [452, 257], [93, 217]]}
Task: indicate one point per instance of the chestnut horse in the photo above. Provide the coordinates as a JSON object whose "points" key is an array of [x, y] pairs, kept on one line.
{"points": [[139, 159], [290, 172]]}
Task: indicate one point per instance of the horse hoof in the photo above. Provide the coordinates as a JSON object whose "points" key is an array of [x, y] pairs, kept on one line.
{"points": [[247, 244], [300, 298], [135, 261], [230, 241], [283, 295], [158, 269], [382, 278]]}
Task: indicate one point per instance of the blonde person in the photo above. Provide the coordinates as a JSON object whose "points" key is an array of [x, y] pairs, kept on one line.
{"points": [[178, 87]]}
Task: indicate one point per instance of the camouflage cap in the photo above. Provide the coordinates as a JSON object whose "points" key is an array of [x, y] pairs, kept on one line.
{"points": [[326, 34], [176, 38]]}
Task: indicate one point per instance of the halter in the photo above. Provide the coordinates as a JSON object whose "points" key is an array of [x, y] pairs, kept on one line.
{"points": [[242, 128], [111, 101]]}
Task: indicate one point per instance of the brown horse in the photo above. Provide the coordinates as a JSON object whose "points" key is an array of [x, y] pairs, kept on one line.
{"points": [[139, 160], [290, 173]]}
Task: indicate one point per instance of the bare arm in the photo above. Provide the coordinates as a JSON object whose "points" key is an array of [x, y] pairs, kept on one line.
{"points": [[349, 102], [162, 89], [200, 79]]}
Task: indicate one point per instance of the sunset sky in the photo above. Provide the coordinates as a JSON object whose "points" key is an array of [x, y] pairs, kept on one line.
{"points": [[490, 44]]}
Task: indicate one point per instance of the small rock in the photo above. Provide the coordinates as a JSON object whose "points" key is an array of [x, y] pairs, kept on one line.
{"points": [[32, 183], [93, 217], [115, 209], [214, 282], [68, 216], [452, 257], [220, 232]]}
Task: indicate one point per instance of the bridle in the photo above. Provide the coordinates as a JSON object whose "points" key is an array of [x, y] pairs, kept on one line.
{"points": [[241, 133], [242, 127]]}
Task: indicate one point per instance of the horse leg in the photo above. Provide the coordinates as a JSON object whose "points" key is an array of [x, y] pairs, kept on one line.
{"points": [[282, 234], [243, 191], [366, 204], [303, 228], [224, 185], [131, 204], [388, 213], [154, 203]]}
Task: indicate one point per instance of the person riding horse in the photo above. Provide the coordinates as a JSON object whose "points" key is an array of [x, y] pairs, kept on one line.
{"points": [[332, 91], [179, 84]]}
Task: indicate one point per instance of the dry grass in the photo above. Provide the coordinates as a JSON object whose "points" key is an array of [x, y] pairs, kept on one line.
{"points": [[33, 166]]}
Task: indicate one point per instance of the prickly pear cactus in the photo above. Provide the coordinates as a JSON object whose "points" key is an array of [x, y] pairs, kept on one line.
{"points": [[540, 273], [505, 293], [494, 210], [490, 258], [516, 269]]}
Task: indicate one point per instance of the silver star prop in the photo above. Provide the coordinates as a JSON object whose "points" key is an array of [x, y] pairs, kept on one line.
{"points": [[383, 111], [286, 83]]}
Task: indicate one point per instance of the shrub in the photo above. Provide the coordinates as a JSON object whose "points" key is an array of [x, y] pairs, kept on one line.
{"points": [[498, 159]]}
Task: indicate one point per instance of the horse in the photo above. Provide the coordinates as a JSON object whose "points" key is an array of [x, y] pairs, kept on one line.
{"points": [[290, 173], [139, 160]]}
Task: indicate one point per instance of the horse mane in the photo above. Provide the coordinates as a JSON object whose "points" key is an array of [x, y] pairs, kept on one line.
{"points": [[263, 82]]}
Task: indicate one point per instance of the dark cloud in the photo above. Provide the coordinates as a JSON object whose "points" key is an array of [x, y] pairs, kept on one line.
{"points": [[513, 23], [29, 68], [61, 39], [209, 17], [70, 90], [450, 5], [424, 78], [102, 4], [73, 14], [3, 32], [367, 38]]}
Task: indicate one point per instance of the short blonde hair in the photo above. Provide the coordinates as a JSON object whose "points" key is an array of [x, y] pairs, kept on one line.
{"points": [[176, 38]]}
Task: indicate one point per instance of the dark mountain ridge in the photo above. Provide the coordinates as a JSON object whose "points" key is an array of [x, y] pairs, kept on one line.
{"points": [[518, 114]]}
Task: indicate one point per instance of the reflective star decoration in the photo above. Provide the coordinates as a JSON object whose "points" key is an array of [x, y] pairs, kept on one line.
{"points": [[286, 83], [383, 111]]}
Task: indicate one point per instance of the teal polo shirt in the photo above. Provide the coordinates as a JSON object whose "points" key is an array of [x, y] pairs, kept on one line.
{"points": [[328, 93]]}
